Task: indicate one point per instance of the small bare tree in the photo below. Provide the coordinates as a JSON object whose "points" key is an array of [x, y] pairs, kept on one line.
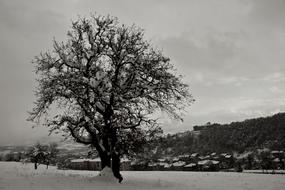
{"points": [[108, 82], [37, 154]]}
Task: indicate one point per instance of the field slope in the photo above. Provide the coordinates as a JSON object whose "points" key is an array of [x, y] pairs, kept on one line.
{"points": [[16, 176]]}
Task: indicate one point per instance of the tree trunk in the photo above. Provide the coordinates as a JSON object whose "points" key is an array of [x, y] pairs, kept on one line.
{"points": [[116, 167], [104, 157], [115, 157], [105, 160], [36, 165]]}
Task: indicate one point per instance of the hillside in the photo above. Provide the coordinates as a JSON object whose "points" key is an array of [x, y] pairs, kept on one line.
{"points": [[265, 132]]}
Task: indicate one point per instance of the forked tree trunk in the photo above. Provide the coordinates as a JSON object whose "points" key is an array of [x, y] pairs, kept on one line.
{"points": [[105, 160], [111, 161]]}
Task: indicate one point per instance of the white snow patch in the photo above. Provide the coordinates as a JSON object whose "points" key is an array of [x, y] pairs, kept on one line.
{"points": [[14, 176], [106, 175]]}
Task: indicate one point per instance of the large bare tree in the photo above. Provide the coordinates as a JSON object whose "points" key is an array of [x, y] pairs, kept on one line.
{"points": [[107, 82]]}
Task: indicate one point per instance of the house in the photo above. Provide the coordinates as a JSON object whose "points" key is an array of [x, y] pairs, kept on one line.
{"points": [[86, 164], [167, 167], [227, 161], [95, 164], [184, 157], [213, 154], [277, 154], [178, 165], [138, 165], [162, 165], [161, 159], [125, 164], [153, 166], [175, 159], [191, 167], [208, 165]]}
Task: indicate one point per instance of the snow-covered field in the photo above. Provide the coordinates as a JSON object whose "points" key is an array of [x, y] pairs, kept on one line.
{"points": [[16, 176]]}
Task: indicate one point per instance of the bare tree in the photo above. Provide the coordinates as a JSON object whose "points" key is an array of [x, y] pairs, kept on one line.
{"points": [[51, 155], [37, 154], [107, 82]]}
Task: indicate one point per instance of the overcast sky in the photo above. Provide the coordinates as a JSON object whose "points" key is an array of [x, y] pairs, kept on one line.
{"points": [[231, 53]]}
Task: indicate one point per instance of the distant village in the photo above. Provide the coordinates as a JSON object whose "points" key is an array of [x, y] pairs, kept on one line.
{"points": [[261, 159]]}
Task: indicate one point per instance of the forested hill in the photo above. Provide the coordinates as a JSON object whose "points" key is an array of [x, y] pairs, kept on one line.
{"points": [[265, 132]]}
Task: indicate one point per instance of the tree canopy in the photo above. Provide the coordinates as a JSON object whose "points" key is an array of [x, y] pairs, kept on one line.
{"points": [[107, 82]]}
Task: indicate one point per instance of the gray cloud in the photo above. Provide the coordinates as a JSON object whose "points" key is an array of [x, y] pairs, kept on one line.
{"points": [[212, 55], [268, 14]]}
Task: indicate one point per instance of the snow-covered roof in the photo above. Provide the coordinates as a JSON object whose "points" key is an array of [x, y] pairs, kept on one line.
{"points": [[228, 156], [125, 160], [194, 154], [213, 154], [86, 160], [190, 165], [215, 162], [162, 163], [244, 155], [179, 163], [276, 152], [152, 164], [203, 162], [276, 160], [263, 150], [167, 165], [208, 162], [175, 159], [138, 162]]}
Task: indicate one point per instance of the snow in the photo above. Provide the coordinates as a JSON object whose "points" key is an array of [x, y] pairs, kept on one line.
{"points": [[243, 156], [215, 162], [15, 176], [179, 164], [276, 160], [209, 162], [265, 171], [106, 175], [203, 162], [228, 156], [190, 165]]}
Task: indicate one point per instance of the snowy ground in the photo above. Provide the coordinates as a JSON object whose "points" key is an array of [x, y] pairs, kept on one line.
{"points": [[16, 176]]}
